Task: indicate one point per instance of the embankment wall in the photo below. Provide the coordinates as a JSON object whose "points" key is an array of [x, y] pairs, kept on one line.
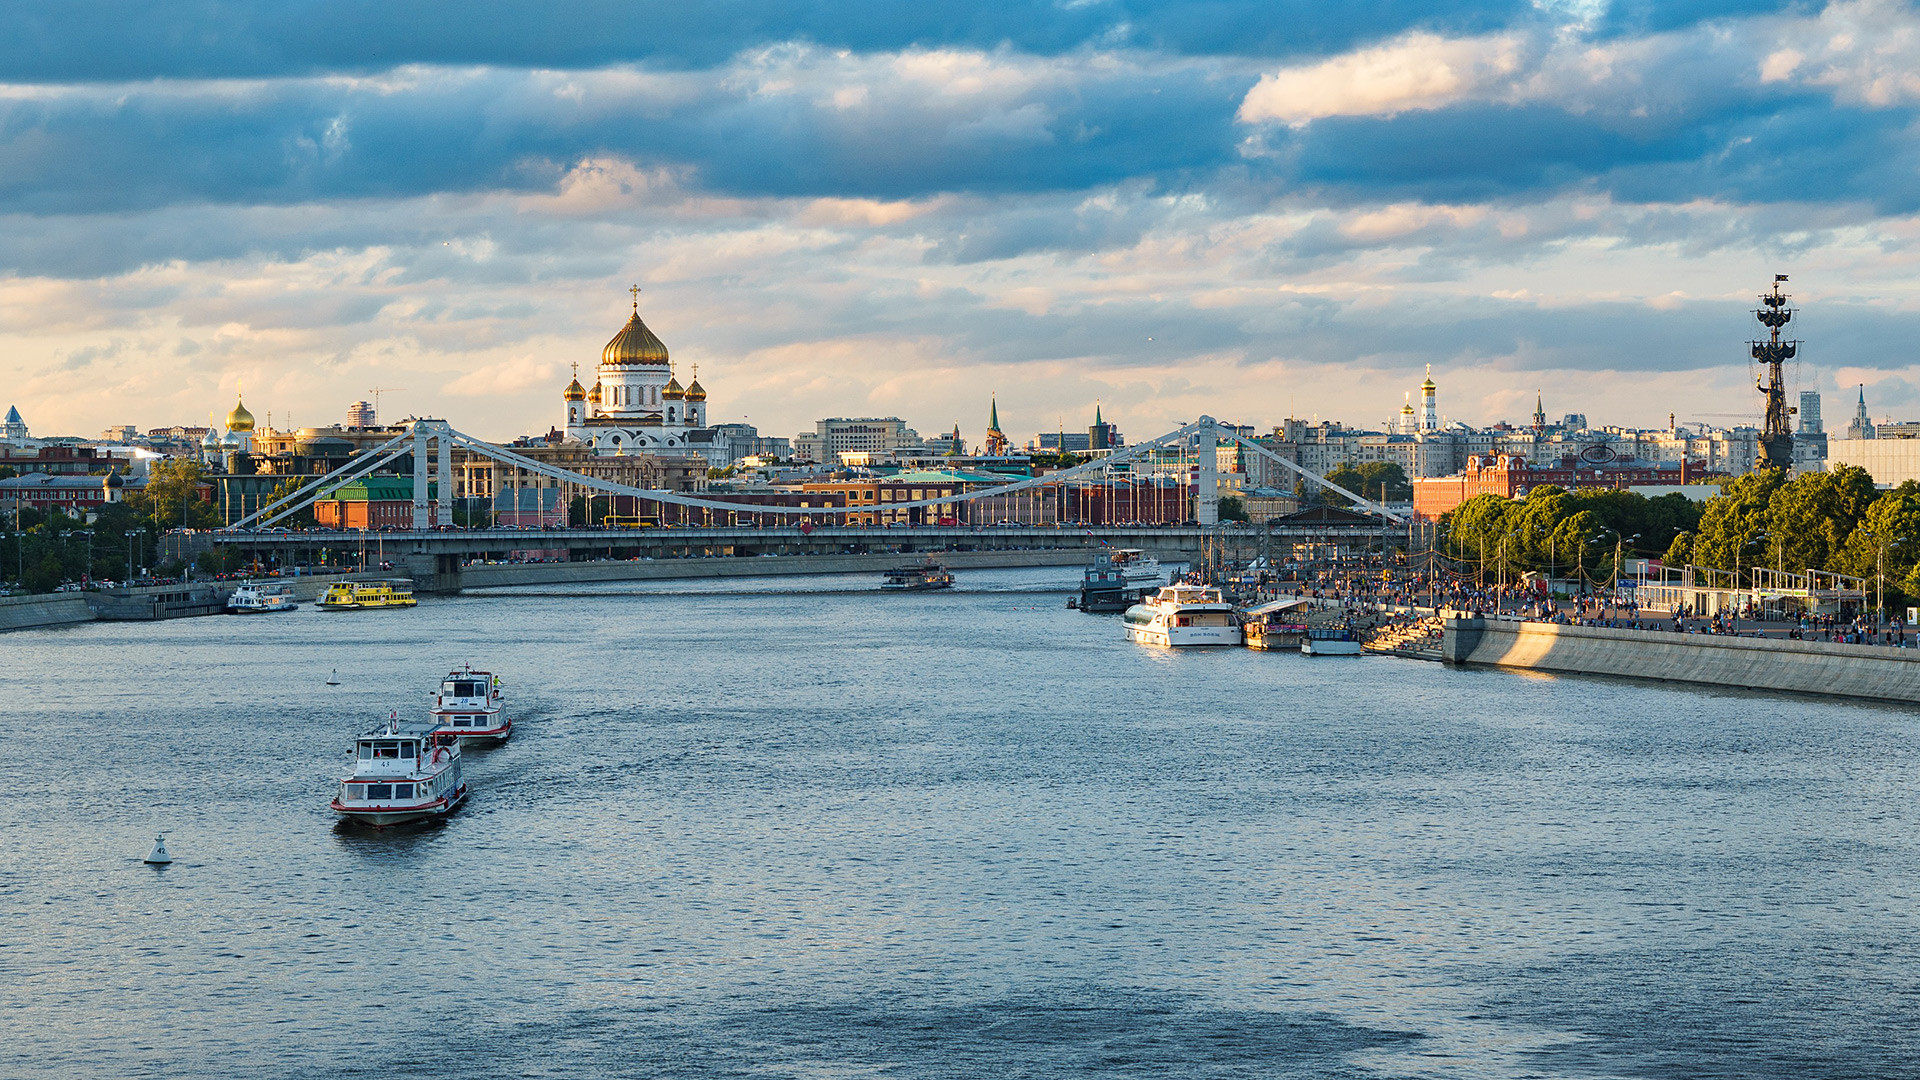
{"points": [[1807, 667], [45, 609], [498, 574]]}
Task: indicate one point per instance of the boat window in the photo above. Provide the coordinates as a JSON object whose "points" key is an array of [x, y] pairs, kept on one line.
{"points": [[406, 749], [386, 750], [356, 791], [377, 792], [366, 751], [403, 791], [461, 721]]}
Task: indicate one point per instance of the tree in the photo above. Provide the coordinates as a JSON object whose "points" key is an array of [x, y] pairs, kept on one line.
{"points": [[1365, 479], [1810, 517], [172, 484], [1890, 528], [1233, 508], [1730, 524]]}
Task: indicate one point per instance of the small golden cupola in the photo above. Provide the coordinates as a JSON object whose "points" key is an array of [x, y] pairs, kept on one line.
{"points": [[673, 390], [576, 392], [239, 419], [635, 344], [696, 392], [593, 395]]}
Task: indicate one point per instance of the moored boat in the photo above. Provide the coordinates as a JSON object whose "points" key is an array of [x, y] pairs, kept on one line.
{"points": [[402, 772], [260, 598], [1183, 615], [927, 575], [1275, 626], [468, 706], [357, 595], [1138, 568], [1330, 641], [1104, 586]]}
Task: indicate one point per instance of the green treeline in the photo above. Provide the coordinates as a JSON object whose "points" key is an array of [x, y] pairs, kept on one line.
{"points": [[1834, 521], [40, 550]]}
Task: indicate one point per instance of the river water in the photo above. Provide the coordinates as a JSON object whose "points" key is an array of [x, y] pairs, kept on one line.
{"points": [[796, 828]]}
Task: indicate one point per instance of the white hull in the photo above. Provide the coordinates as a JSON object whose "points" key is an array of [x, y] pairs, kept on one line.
{"points": [[1329, 648], [1177, 636], [399, 815], [496, 728]]}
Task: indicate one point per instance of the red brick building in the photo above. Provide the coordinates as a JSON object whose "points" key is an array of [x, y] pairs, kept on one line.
{"points": [[1511, 477]]}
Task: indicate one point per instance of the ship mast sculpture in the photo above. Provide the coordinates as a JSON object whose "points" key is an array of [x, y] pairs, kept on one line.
{"points": [[1776, 438]]}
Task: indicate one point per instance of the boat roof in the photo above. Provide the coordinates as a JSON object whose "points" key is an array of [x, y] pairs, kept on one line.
{"points": [[405, 729], [1272, 606]]}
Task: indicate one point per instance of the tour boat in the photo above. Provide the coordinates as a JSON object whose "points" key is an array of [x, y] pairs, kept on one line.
{"points": [[1183, 615], [927, 575], [355, 595], [468, 706], [1138, 568], [403, 771], [259, 598], [1333, 641]]}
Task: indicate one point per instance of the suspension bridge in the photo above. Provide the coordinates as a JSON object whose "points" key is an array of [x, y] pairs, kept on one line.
{"points": [[1049, 511]]}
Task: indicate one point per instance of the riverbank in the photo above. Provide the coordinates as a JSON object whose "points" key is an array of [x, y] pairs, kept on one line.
{"points": [[1808, 667]]}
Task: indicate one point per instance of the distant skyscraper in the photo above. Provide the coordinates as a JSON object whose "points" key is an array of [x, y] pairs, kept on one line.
{"points": [[1101, 435], [360, 415], [1810, 413]]}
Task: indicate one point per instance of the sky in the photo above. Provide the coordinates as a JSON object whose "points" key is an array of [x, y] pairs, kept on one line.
{"points": [[1250, 209]]}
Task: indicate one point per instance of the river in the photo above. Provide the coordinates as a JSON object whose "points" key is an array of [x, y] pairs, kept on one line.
{"points": [[792, 827]]}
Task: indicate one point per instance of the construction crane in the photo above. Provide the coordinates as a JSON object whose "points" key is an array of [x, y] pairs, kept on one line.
{"points": [[378, 390]]}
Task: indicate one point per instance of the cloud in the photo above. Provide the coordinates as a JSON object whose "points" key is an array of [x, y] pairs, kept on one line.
{"points": [[1419, 71]]}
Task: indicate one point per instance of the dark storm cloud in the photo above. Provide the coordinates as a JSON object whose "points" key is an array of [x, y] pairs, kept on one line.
{"points": [[92, 40]]}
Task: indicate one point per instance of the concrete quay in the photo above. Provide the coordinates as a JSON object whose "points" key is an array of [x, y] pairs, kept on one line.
{"points": [[1874, 672]]}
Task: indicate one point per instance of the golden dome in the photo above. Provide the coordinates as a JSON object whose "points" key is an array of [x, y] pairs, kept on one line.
{"points": [[239, 419], [1428, 385], [593, 395], [696, 392], [575, 392], [673, 388], [635, 344]]}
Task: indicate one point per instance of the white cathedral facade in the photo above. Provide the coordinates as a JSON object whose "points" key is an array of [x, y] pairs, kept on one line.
{"points": [[637, 405]]}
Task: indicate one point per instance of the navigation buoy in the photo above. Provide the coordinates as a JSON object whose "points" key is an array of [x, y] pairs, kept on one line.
{"points": [[158, 856], [333, 677]]}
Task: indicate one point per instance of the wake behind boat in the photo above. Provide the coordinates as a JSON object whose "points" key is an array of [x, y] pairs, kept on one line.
{"points": [[1183, 615], [402, 771]]}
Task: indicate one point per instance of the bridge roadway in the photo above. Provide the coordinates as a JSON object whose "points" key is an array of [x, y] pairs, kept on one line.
{"points": [[434, 558]]}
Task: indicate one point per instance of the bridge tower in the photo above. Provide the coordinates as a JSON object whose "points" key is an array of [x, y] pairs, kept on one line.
{"points": [[1206, 491], [436, 432]]}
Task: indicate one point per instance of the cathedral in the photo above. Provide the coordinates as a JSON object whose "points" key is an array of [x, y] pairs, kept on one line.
{"points": [[637, 404]]}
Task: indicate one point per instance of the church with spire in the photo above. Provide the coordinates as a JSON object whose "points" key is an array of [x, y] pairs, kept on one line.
{"points": [[996, 444], [637, 404]]}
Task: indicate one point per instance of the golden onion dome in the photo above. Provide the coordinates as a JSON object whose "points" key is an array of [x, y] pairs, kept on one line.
{"points": [[575, 392], [635, 344], [696, 392], [593, 395], [239, 419], [673, 388], [1428, 385]]}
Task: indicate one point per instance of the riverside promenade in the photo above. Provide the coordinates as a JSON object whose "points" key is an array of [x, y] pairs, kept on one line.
{"points": [[1875, 672]]}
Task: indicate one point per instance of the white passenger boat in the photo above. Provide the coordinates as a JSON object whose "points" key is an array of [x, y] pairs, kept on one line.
{"points": [[1137, 567], [259, 597], [1182, 615], [469, 706], [1331, 641], [402, 772]]}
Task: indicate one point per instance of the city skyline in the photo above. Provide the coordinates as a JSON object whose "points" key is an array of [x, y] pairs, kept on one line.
{"points": [[848, 214]]}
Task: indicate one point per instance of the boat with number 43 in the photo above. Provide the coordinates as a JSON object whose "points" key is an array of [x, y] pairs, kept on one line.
{"points": [[468, 706], [356, 595], [1183, 615], [403, 771]]}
